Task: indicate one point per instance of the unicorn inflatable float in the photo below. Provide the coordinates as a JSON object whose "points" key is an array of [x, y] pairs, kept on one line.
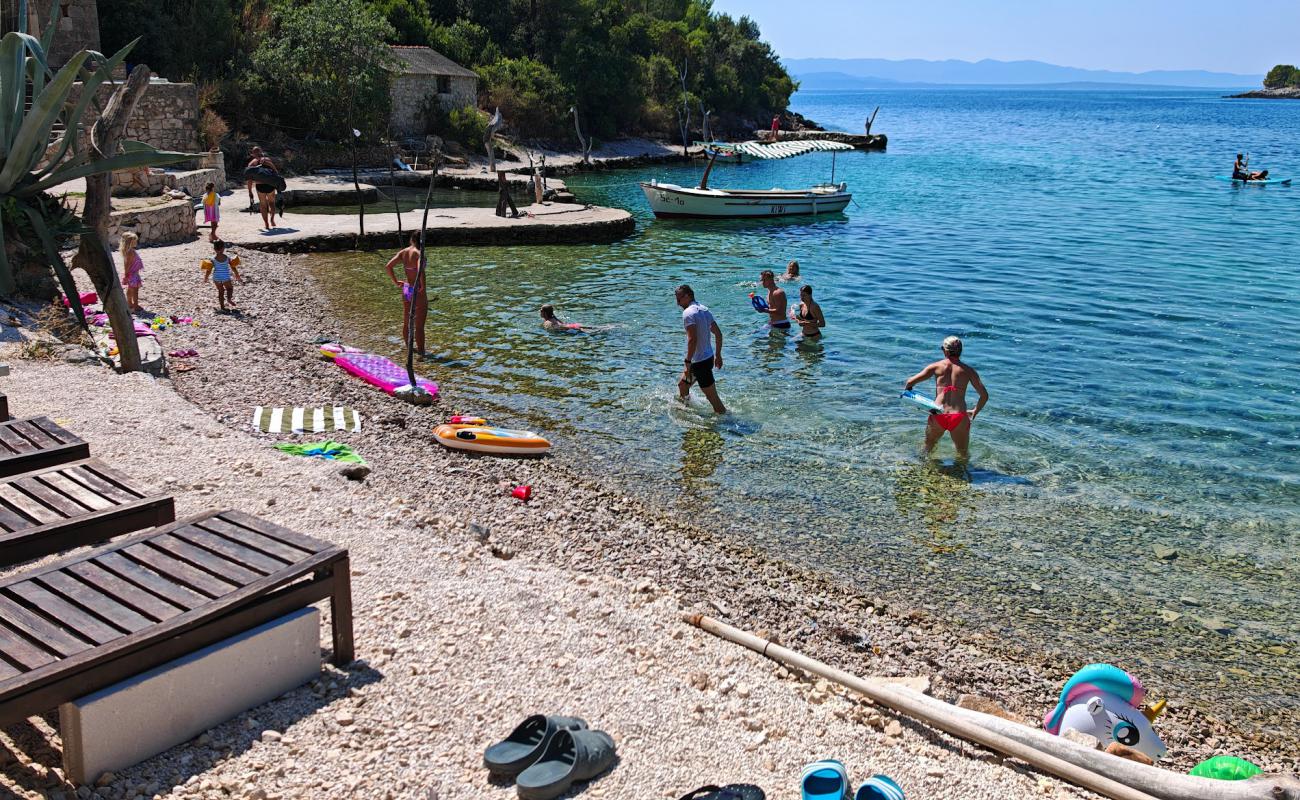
{"points": [[1107, 702]]}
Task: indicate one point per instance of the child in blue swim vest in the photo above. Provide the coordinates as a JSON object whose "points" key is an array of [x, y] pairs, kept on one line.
{"points": [[219, 269]]}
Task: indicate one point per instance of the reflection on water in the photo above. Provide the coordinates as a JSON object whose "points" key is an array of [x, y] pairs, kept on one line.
{"points": [[1137, 461]]}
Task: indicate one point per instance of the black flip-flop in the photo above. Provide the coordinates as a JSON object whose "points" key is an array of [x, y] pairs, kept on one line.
{"points": [[526, 743], [570, 757], [733, 791]]}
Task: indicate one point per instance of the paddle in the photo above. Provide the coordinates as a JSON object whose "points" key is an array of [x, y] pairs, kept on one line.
{"points": [[419, 279]]}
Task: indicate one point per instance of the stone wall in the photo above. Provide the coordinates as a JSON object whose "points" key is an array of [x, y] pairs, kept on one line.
{"points": [[166, 117], [78, 27], [165, 223], [410, 93]]}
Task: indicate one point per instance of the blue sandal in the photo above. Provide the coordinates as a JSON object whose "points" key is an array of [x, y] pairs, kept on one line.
{"points": [[879, 787], [825, 780]]}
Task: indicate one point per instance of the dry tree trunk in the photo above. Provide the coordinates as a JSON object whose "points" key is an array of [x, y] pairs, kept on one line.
{"points": [[94, 255]]}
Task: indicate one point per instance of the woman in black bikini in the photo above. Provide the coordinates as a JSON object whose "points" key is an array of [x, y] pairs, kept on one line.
{"points": [[809, 315]]}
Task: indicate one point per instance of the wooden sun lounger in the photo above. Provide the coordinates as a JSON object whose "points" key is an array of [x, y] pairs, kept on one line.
{"points": [[4, 407], [91, 620], [35, 443], [71, 505]]}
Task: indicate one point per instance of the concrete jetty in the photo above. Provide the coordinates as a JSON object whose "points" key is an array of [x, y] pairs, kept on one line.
{"points": [[547, 223]]}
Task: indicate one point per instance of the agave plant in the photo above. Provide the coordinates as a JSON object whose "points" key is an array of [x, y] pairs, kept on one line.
{"points": [[29, 165]]}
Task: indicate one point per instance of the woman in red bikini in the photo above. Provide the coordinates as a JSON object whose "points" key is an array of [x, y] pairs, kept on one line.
{"points": [[951, 377]]}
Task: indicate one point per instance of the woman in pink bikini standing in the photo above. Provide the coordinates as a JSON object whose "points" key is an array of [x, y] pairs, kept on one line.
{"points": [[951, 377]]}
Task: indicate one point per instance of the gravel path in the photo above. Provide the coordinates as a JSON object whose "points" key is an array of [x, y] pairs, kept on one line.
{"points": [[474, 609]]}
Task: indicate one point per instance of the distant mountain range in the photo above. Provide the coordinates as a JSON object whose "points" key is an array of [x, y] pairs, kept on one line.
{"points": [[875, 73]]}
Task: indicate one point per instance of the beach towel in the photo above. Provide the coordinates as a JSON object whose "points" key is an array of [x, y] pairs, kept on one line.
{"points": [[330, 451], [306, 420]]}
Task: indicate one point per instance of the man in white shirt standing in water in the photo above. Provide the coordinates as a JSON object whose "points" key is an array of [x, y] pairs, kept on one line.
{"points": [[701, 358]]}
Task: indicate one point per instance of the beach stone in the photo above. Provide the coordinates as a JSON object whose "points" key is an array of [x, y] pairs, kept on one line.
{"points": [[894, 729], [344, 718], [1165, 553], [974, 702], [353, 472], [1079, 737], [1169, 616], [1190, 601], [1218, 625]]}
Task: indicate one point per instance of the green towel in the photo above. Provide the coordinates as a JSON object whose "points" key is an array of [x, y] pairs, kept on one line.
{"points": [[330, 451]]}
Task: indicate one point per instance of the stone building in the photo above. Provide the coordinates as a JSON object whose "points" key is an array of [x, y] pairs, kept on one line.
{"points": [[77, 21], [423, 74]]}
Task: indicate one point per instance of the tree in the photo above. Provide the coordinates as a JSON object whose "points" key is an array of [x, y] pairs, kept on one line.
{"points": [[1281, 76], [328, 66], [32, 221]]}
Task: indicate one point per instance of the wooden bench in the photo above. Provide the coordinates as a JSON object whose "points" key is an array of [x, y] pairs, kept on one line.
{"points": [[4, 407], [36, 443], [72, 505], [88, 621]]}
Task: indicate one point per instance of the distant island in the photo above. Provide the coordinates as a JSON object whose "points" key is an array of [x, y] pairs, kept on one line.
{"points": [[873, 73], [1281, 83]]}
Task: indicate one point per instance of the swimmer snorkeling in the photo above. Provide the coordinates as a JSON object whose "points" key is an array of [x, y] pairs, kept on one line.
{"points": [[951, 377], [413, 289]]}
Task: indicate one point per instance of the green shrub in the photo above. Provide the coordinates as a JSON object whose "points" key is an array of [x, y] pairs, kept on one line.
{"points": [[1282, 75], [465, 125], [531, 97]]}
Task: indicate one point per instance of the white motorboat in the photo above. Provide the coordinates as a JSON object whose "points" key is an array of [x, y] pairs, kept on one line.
{"points": [[668, 200]]}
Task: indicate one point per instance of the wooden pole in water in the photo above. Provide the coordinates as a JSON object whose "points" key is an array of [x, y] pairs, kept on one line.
{"points": [[1052, 754]]}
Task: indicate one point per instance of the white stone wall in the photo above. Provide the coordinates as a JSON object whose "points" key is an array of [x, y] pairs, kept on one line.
{"points": [[165, 223], [410, 93]]}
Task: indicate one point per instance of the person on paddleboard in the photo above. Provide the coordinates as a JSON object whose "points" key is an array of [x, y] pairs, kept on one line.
{"points": [[701, 356], [775, 307], [1241, 170], [951, 377], [413, 289]]}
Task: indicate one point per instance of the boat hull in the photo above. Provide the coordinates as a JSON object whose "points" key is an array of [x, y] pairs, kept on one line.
{"points": [[673, 202]]}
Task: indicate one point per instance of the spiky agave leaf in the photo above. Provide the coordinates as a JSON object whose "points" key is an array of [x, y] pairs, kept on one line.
{"points": [[27, 147], [89, 93]]}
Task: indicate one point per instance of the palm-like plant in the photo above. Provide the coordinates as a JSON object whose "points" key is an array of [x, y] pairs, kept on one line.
{"points": [[32, 99]]}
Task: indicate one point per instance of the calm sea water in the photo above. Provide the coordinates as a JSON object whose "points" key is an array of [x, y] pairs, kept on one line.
{"points": [[1135, 488]]}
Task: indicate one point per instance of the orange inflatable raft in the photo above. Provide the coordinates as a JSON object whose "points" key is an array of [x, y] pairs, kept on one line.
{"points": [[487, 439]]}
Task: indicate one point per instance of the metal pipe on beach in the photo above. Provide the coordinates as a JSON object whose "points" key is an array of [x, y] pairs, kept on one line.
{"points": [[1100, 772]]}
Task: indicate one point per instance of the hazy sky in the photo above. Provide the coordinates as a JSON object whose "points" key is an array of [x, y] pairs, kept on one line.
{"points": [[1247, 36]]}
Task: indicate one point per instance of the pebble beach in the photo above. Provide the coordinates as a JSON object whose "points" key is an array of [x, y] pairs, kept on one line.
{"points": [[474, 610]]}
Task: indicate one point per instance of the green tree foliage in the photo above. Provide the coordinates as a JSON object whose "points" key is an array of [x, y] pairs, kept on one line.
{"points": [[1281, 76], [326, 67], [619, 61]]}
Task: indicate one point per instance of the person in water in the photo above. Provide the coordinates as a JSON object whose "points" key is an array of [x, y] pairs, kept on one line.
{"points": [[1241, 171], [413, 289], [776, 302], [951, 377], [553, 323], [808, 314], [701, 356], [791, 273]]}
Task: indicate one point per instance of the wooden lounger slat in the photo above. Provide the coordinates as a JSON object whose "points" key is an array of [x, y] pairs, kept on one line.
{"points": [[255, 539], [122, 582], [270, 529], [107, 482], [125, 592], [11, 520], [170, 591], [238, 553], [49, 496], [36, 443], [176, 570], [55, 608], [36, 435], [4, 407], [75, 491], [19, 652], [10, 440], [21, 501], [204, 560], [53, 637], [95, 602], [47, 427], [60, 507]]}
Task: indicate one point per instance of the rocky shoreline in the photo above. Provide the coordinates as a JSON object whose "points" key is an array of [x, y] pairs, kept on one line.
{"points": [[447, 519], [1283, 93]]}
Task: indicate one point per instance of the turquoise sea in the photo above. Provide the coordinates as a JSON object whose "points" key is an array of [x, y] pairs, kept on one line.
{"points": [[1134, 494]]}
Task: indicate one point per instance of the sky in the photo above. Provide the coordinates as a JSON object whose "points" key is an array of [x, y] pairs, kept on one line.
{"points": [[1247, 36]]}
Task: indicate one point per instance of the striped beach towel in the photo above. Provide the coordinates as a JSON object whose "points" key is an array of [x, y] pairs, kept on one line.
{"points": [[306, 420]]}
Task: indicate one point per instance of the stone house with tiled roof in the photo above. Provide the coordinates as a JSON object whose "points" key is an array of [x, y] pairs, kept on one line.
{"points": [[423, 74]]}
